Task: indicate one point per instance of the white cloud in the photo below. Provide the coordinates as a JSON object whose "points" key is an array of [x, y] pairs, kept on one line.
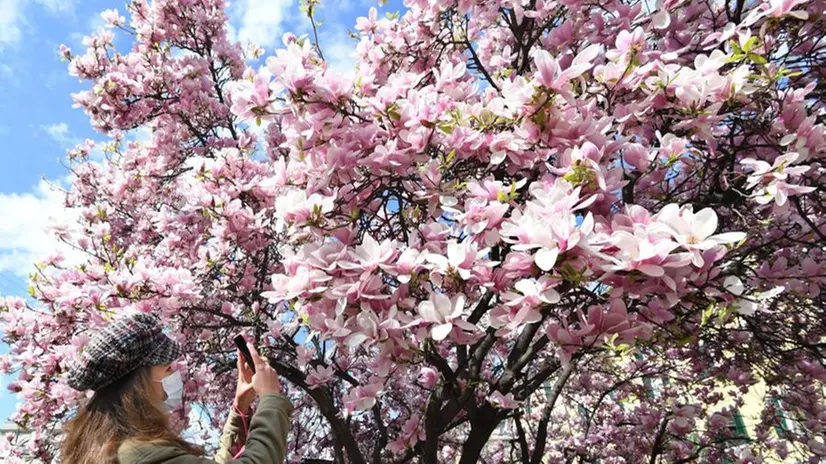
{"points": [[336, 7], [60, 133], [95, 22], [232, 33], [261, 20], [12, 16], [338, 49], [142, 134], [25, 235], [7, 73], [200, 427], [57, 6]]}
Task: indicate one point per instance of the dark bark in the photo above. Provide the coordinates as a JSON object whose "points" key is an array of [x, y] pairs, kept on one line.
{"points": [[542, 432], [524, 454], [340, 430], [324, 400], [482, 426], [433, 430], [657, 448], [381, 442]]}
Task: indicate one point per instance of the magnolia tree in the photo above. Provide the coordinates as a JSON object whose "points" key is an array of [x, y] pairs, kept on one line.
{"points": [[597, 225]]}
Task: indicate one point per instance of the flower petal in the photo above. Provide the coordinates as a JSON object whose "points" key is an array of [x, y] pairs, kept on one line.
{"points": [[545, 258], [651, 270], [704, 223], [728, 237], [734, 285], [441, 331]]}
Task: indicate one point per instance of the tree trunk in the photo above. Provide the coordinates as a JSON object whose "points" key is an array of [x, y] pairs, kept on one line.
{"points": [[341, 432], [481, 429], [542, 433], [324, 400]]}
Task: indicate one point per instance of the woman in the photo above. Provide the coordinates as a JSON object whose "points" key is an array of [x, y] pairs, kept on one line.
{"points": [[126, 421]]}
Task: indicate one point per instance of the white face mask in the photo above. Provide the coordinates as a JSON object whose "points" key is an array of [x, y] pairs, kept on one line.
{"points": [[173, 385]]}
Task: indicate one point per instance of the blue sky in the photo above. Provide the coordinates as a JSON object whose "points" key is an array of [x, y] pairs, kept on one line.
{"points": [[38, 123]]}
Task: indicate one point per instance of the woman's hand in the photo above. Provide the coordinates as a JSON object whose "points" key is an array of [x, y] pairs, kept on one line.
{"points": [[265, 380], [244, 391]]}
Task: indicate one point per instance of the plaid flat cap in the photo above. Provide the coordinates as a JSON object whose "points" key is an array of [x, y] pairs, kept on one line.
{"points": [[124, 345]]}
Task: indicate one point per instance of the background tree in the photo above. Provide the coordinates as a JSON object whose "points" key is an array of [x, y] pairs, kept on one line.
{"points": [[580, 199]]}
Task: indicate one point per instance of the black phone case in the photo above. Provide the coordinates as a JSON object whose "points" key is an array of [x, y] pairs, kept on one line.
{"points": [[242, 345]]}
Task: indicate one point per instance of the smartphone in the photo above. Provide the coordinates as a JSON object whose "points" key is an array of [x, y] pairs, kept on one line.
{"points": [[241, 343]]}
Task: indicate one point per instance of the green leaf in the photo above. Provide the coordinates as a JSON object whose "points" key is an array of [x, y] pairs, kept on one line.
{"points": [[723, 315], [671, 160], [579, 175], [451, 156], [610, 342], [539, 118], [708, 313], [737, 57], [393, 112], [750, 44], [757, 59], [685, 340]]}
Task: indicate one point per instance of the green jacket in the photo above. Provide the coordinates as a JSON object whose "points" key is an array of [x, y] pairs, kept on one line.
{"points": [[266, 443]]}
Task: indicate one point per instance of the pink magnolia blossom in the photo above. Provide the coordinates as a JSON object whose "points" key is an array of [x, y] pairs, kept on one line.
{"points": [[112, 18], [627, 42], [362, 398], [695, 232], [444, 313], [288, 287], [460, 259], [503, 401], [320, 375], [532, 293], [778, 8], [408, 262], [428, 378], [551, 77], [500, 204], [770, 181], [254, 98], [371, 254]]}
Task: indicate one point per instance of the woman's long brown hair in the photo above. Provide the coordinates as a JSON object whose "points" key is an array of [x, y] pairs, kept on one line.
{"points": [[121, 411]]}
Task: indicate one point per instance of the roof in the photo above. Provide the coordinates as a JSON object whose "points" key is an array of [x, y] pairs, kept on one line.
{"points": [[10, 427]]}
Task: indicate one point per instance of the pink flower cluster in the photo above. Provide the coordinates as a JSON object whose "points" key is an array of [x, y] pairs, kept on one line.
{"points": [[577, 224]]}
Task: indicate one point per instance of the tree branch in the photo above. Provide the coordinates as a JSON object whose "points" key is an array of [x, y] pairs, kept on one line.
{"points": [[542, 432]]}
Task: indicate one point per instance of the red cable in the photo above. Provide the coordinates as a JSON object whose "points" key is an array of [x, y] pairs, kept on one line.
{"points": [[246, 430]]}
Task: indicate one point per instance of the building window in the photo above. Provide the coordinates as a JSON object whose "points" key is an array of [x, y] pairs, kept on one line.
{"points": [[783, 427], [739, 430]]}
